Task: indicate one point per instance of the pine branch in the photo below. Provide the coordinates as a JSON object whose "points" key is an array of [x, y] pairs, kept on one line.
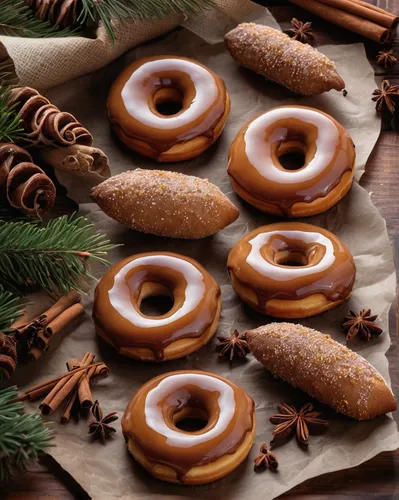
{"points": [[10, 123], [17, 19], [22, 435], [105, 10], [10, 309], [55, 257]]}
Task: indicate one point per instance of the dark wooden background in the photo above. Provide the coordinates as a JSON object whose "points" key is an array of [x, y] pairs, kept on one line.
{"points": [[379, 477]]}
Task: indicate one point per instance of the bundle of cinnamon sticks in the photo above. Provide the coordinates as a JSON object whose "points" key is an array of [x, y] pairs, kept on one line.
{"points": [[71, 388], [38, 332], [354, 15]]}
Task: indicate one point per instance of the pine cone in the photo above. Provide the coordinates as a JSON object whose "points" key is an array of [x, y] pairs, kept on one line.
{"points": [[28, 188], [64, 13], [8, 356], [44, 123]]}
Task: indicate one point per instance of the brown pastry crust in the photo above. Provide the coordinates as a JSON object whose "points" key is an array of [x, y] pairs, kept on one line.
{"points": [[200, 464], [301, 296], [301, 199], [325, 369], [273, 54], [165, 203], [162, 144], [174, 340]]}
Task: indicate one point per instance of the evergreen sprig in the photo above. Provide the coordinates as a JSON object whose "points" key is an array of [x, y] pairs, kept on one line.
{"points": [[10, 309], [22, 435], [10, 123], [17, 19], [55, 257], [105, 10]]}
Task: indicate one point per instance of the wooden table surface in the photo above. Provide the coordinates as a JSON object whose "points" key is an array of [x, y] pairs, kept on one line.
{"points": [[379, 477]]}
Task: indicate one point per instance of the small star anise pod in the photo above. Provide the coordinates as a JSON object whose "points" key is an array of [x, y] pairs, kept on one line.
{"points": [[386, 58], [266, 459], [361, 324], [301, 31], [235, 345], [303, 422], [384, 94], [99, 427]]}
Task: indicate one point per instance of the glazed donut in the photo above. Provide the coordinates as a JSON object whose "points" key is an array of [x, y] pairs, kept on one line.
{"points": [[168, 453], [291, 270], [257, 175], [187, 326], [198, 105]]}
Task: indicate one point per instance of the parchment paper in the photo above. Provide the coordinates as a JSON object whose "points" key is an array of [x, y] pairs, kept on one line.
{"points": [[109, 472]]}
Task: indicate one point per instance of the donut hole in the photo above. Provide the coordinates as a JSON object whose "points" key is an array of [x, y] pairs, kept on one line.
{"points": [[168, 101], [155, 299], [190, 419], [292, 155], [291, 258]]}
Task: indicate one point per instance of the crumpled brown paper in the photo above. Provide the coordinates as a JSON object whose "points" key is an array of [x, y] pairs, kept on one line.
{"points": [[43, 63], [109, 472]]}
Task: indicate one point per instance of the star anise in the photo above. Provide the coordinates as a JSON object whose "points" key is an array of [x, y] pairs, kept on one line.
{"points": [[301, 31], [384, 94], [266, 459], [361, 324], [303, 422], [99, 427], [235, 345], [386, 58]]}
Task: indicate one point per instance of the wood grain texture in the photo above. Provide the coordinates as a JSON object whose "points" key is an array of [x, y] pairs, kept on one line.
{"points": [[379, 477]]}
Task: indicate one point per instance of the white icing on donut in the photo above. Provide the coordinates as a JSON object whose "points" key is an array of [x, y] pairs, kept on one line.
{"points": [[258, 150], [119, 295], [137, 89], [155, 419], [285, 273]]}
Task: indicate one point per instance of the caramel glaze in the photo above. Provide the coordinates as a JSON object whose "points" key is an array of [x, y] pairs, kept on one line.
{"points": [[181, 459], [178, 84], [298, 137], [335, 283], [122, 333]]}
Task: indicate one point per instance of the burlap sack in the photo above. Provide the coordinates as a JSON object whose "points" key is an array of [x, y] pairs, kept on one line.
{"points": [[44, 63]]}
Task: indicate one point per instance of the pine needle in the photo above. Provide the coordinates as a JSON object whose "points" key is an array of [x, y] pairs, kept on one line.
{"points": [[17, 19], [55, 257], [10, 123], [105, 10], [22, 435], [10, 309]]}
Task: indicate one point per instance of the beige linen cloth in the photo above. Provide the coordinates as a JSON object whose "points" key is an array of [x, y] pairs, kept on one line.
{"points": [[45, 62], [108, 472]]}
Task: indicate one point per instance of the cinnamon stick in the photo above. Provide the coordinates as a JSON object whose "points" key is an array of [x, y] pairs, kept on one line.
{"points": [[63, 320], [56, 325], [347, 20], [63, 388], [365, 10], [39, 390], [84, 391], [61, 305], [377, 9], [66, 416]]}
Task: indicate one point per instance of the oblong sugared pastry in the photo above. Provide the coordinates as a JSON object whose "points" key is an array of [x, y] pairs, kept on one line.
{"points": [[291, 270], [171, 454], [276, 56], [169, 108], [165, 203], [325, 369], [258, 176], [187, 326]]}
